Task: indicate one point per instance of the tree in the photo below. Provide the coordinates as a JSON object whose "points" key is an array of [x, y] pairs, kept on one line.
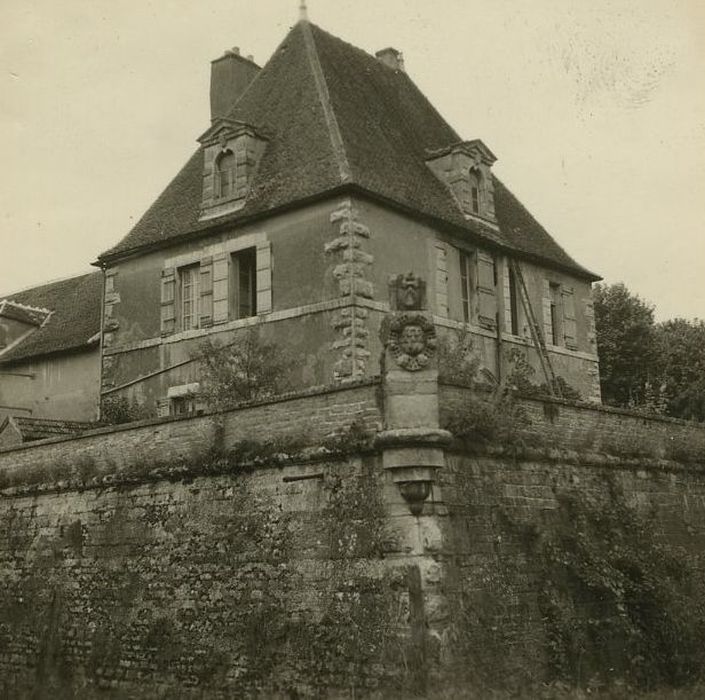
{"points": [[245, 369], [681, 367], [660, 367], [627, 345]]}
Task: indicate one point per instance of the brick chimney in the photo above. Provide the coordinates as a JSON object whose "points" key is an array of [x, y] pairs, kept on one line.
{"points": [[392, 58], [230, 76]]}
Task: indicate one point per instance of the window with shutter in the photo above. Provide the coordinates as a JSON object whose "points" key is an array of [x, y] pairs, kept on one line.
{"points": [[189, 278], [168, 301], [569, 324], [486, 291]]}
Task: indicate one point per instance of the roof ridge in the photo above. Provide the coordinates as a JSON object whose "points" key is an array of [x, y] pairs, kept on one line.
{"points": [[57, 280], [319, 78], [7, 300], [403, 74]]}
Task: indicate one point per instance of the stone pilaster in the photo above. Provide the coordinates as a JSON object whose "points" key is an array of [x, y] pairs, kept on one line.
{"points": [[350, 267]]}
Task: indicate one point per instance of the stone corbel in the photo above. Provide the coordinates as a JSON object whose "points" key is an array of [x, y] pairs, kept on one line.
{"points": [[412, 457]]}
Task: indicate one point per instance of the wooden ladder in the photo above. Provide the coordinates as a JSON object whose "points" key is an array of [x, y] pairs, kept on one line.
{"points": [[536, 331]]}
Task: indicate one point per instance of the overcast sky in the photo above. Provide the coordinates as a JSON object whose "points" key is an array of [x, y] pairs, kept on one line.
{"points": [[595, 110]]}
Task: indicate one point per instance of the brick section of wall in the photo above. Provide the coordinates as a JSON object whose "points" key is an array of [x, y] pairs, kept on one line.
{"points": [[589, 428], [311, 416]]}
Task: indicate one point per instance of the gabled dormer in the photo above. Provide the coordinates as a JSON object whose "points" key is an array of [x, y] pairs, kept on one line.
{"points": [[17, 321], [231, 153], [465, 168]]}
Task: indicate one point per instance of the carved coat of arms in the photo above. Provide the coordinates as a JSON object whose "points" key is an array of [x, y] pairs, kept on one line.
{"points": [[412, 341]]}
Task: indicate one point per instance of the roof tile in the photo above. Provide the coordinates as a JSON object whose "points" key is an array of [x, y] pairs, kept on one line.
{"points": [[386, 126], [74, 320]]}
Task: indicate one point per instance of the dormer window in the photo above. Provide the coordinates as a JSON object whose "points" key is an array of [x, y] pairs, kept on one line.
{"points": [[231, 154], [465, 168], [225, 179], [474, 178]]}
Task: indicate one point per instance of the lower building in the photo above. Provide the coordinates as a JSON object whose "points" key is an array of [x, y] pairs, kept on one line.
{"points": [[49, 351]]}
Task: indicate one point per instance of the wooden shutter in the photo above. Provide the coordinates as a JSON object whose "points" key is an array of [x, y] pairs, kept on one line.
{"points": [[264, 278], [221, 273], [464, 259], [206, 289], [486, 295], [569, 326], [168, 305], [441, 280], [546, 312], [507, 292]]}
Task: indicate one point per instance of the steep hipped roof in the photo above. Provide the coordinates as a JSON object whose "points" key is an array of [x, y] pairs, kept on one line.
{"points": [[74, 320], [339, 117]]}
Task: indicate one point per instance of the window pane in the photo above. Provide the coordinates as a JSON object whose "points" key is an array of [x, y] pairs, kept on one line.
{"points": [[245, 283], [514, 311], [226, 174], [189, 297]]}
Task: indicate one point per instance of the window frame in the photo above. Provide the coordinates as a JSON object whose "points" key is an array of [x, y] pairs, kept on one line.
{"points": [[513, 303], [475, 182], [235, 300], [192, 273], [228, 192]]}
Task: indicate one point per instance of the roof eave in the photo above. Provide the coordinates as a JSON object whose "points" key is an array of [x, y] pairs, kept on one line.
{"points": [[107, 259], [33, 357]]}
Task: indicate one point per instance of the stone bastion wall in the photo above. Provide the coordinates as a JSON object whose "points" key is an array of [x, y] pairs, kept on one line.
{"points": [[313, 544]]}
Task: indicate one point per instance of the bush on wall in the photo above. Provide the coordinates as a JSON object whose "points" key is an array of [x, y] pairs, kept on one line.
{"points": [[619, 605]]}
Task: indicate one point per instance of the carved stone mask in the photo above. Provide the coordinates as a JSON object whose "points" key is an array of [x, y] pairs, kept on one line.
{"points": [[412, 341]]}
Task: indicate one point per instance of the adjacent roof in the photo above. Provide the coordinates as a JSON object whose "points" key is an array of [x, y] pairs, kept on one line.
{"points": [[340, 117], [25, 314], [73, 323], [28, 429]]}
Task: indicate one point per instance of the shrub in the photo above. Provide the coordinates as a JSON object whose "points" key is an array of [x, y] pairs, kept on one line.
{"points": [[457, 360], [245, 369], [119, 409], [618, 605]]}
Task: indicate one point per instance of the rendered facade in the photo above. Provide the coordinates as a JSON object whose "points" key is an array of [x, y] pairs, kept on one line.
{"points": [[322, 176]]}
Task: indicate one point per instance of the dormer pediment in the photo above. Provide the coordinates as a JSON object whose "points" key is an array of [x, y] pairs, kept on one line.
{"points": [[231, 154], [226, 128], [465, 168]]}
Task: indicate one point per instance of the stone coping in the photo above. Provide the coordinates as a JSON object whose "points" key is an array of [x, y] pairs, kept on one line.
{"points": [[586, 406], [554, 455], [318, 390]]}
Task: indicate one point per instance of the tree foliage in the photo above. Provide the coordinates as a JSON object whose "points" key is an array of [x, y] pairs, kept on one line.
{"points": [[626, 344], [644, 364], [245, 369], [681, 367]]}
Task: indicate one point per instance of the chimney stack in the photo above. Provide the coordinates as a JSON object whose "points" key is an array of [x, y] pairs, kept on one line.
{"points": [[392, 58], [230, 76]]}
